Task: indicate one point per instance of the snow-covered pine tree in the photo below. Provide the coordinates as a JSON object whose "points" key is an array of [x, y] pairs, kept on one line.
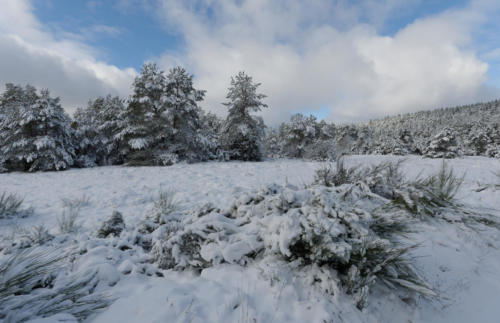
{"points": [[185, 141], [241, 133], [10, 101], [144, 120], [443, 145], [161, 122], [210, 126], [36, 135], [84, 137], [97, 127], [323, 147], [272, 143], [297, 135]]}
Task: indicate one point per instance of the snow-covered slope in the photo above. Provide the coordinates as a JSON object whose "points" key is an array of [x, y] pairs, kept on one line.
{"points": [[462, 263]]}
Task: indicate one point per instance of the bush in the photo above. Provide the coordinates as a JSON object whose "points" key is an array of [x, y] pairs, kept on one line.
{"points": [[164, 205], [328, 176], [382, 179], [340, 229], [114, 225], [11, 206]]}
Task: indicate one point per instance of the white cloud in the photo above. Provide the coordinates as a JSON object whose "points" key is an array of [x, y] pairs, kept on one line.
{"points": [[314, 54], [308, 55], [29, 53]]}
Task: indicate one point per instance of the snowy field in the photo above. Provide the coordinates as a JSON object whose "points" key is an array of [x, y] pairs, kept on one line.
{"points": [[461, 263]]}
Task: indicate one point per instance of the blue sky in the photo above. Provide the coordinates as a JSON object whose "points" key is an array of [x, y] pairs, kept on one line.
{"points": [[132, 32], [337, 59], [125, 35]]}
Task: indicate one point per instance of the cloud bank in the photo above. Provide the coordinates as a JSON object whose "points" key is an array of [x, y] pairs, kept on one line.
{"points": [[29, 53], [330, 56], [319, 56]]}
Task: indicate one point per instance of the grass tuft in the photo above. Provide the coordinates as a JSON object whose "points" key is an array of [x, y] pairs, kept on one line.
{"points": [[11, 206], [67, 220]]}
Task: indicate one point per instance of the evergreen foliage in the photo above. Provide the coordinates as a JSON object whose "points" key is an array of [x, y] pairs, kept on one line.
{"points": [[242, 133], [35, 131], [316, 227], [442, 133], [97, 127], [161, 122]]}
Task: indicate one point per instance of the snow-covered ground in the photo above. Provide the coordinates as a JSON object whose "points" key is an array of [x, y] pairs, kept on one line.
{"points": [[461, 263]]}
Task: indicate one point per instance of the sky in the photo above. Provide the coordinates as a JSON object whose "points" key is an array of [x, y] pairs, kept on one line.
{"points": [[342, 61]]}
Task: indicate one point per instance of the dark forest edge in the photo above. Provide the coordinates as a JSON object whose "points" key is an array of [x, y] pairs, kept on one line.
{"points": [[161, 124]]}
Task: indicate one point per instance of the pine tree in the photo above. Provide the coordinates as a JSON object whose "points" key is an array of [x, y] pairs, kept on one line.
{"points": [[161, 122], [97, 127], [210, 127], [143, 124], [10, 102], [272, 144], [183, 113], [241, 133], [36, 133], [443, 145], [297, 135]]}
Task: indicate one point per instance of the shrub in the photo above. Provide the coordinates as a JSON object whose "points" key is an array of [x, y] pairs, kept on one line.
{"points": [[164, 205], [11, 206], [114, 225], [382, 178], [317, 226], [328, 176]]}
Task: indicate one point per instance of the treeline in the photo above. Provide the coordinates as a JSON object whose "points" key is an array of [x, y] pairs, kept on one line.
{"points": [[472, 130], [160, 124]]}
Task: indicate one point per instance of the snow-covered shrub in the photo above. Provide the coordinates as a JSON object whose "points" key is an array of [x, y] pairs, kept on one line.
{"points": [[338, 228], [382, 179], [114, 225], [11, 206], [242, 133], [32, 285], [330, 176], [163, 206]]}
